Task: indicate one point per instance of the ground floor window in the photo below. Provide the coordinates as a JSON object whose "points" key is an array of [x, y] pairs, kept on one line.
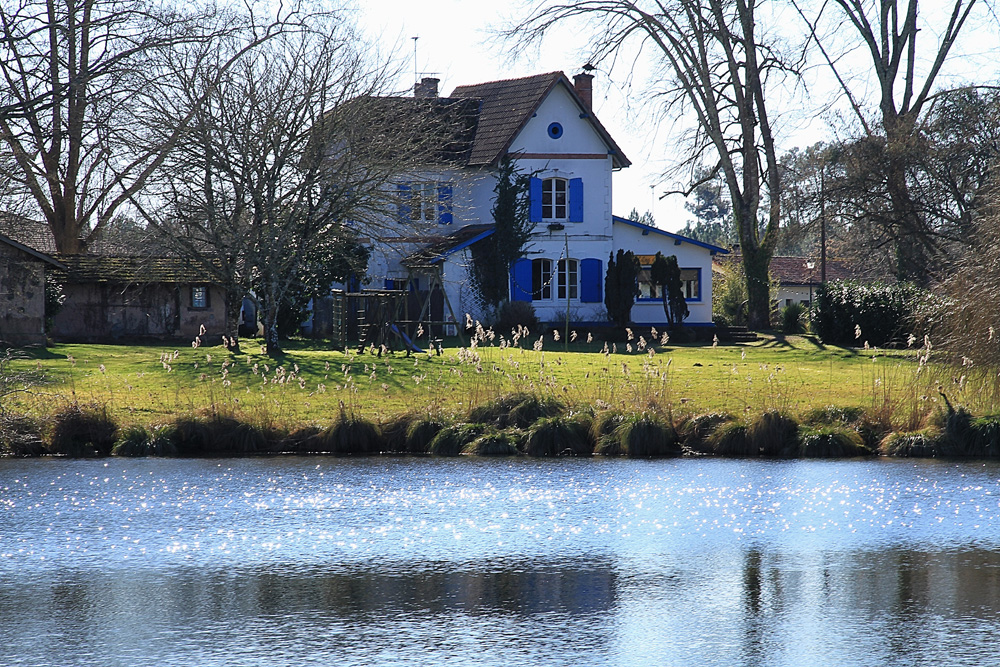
{"points": [[690, 284], [199, 296], [568, 279], [541, 279]]}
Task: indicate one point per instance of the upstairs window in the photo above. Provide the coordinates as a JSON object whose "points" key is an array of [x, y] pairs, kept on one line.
{"points": [[554, 199], [423, 201]]}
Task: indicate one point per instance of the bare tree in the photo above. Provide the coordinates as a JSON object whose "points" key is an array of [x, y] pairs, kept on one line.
{"points": [[905, 62], [81, 80], [290, 155], [717, 66]]}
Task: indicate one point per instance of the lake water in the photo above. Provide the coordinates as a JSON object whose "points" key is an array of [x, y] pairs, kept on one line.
{"points": [[382, 561]]}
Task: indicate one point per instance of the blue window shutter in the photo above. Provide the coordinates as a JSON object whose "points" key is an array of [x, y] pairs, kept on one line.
{"points": [[576, 200], [403, 207], [520, 280], [591, 280], [535, 191], [444, 204], [388, 283]]}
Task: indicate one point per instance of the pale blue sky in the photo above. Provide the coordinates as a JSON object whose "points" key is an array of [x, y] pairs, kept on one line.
{"points": [[454, 45]]}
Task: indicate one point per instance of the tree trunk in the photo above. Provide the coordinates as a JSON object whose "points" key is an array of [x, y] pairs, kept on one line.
{"points": [[911, 237], [231, 331], [755, 266]]}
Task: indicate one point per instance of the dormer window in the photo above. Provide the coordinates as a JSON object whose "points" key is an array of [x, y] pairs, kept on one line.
{"points": [[554, 199]]}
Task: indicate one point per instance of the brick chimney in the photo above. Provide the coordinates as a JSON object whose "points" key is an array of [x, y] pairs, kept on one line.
{"points": [[584, 85], [426, 87]]}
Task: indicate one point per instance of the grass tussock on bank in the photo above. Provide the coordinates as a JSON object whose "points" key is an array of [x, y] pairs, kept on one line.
{"points": [[784, 397]]}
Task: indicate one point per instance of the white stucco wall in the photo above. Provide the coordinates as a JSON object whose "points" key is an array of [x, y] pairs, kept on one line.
{"points": [[689, 256]]}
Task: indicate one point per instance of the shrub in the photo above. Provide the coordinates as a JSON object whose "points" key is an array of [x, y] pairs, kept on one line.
{"points": [[21, 435], [230, 435], [602, 433], [451, 440], [302, 440], [832, 414], [516, 411], [696, 431], [732, 439], [421, 433], [512, 316], [190, 436], [985, 436], [394, 432], [646, 436], [918, 444], [217, 434], [832, 442], [83, 431], [133, 440], [884, 312], [493, 443], [774, 434], [163, 440], [558, 436], [793, 319], [350, 434]]}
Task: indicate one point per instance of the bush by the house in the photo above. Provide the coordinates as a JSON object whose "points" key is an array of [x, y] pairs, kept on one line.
{"points": [[851, 312], [514, 316], [793, 320]]}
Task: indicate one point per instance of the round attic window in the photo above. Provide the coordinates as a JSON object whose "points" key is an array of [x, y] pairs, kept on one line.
{"points": [[555, 130]]}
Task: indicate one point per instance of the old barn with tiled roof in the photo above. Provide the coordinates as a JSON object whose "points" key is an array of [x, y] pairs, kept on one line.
{"points": [[108, 294]]}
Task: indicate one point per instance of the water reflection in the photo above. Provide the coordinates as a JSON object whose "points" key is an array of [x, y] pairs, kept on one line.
{"points": [[139, 614], [288, 562]]}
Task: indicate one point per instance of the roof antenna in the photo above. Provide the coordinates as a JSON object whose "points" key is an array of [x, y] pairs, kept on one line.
{"points": [[415, 77]]}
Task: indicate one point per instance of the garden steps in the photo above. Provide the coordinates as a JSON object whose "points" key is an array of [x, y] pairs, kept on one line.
{"points": [[736, 335]]}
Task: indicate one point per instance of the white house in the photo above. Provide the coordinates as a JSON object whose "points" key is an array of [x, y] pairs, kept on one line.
{"points": [[546, 123]]}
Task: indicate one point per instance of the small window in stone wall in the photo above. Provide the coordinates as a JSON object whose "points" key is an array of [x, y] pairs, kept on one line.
{"points": [[199, 296]]}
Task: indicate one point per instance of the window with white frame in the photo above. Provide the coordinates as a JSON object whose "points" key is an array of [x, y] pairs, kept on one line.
{"points": [[568, 279], [690, 285], [541, 279], [423, 201], [555, 199]]}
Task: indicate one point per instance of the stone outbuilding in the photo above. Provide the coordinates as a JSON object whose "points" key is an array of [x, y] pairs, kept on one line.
{"points": [[22, 292]]}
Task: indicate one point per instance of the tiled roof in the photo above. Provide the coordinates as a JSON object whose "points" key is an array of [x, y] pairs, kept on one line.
{"points": [[105, 261], [41, 256], [508, 105], [796, 270], [131, 270], [438, 248], [436, 128], [32, 233]]}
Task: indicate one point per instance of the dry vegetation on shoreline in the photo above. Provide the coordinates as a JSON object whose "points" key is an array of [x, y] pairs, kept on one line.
{"points": [[703, 399]]}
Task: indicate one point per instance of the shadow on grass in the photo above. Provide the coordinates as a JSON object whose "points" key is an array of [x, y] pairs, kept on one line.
{"points": [[39, 353]]}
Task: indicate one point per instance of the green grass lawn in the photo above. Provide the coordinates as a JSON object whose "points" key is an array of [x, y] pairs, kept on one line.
{"points": [[311, 383]]}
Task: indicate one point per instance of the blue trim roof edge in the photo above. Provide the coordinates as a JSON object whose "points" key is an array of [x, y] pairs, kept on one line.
{"points": [[678, 237], [462, 246]]}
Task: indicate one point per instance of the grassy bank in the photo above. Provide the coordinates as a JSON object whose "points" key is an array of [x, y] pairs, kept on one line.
{"points": [[150, 387]]}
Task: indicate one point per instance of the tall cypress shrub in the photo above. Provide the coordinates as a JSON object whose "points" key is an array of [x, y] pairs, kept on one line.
{"points": [[621, 287]]}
